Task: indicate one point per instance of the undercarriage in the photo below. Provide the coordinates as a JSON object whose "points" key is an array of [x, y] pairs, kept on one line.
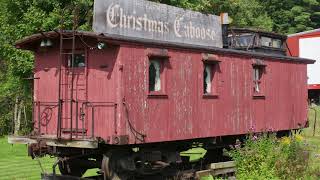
{"points": [[166, 160]]}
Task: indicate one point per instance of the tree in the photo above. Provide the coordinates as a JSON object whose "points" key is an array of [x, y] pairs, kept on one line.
{"points": [[293, 16], [17, 20], [245, 13]]}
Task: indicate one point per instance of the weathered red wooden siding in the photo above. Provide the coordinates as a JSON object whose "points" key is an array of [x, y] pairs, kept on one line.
{"points": [[119, 74], [103, 79], [45, 88], [184, 113], [98, 85]]}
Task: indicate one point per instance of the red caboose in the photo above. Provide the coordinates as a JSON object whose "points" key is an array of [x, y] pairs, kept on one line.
{"points": [[97, 96]]}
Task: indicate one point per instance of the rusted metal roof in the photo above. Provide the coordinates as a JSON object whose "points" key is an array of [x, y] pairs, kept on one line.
{"points": [[52, 35], [248, 30], [28, 41]]}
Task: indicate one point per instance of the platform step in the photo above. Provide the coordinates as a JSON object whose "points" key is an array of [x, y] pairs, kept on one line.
{"points": [[218, 169], [74, 131]]}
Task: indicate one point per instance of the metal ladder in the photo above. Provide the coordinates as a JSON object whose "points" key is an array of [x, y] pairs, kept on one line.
{"points": [[65, 36]]}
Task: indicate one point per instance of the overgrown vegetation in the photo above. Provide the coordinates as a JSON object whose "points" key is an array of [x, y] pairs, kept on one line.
{"points": [[267, 157], [17, 20]]}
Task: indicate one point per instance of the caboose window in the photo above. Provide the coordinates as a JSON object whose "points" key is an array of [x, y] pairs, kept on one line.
{"points": [[257, 78], [209, 79], [258, 84], [79, 60], [154, 75], [271, 42]]}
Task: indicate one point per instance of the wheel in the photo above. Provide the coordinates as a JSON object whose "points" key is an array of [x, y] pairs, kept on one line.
{"points": [[70, 167], [111, 167]]}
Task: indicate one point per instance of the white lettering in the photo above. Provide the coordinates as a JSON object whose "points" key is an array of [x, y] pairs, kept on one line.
{"points": [[139, 24], [145, 19], [166, 27], [123, 19], [111, 16], [116, 17], [152, 25], [177, 27]]}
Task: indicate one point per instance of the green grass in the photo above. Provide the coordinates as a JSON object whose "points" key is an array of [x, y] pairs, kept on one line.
{"points": [[313, 141], [16, 165]]}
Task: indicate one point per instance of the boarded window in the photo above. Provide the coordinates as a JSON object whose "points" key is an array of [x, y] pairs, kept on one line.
{"points": [[154, 75]]}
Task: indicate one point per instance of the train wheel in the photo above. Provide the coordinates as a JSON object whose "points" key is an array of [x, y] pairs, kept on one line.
{"points": [[70, 167], [109, 167]]}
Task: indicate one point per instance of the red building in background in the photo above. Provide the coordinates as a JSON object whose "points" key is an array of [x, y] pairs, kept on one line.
{"points": [[307, 45]]}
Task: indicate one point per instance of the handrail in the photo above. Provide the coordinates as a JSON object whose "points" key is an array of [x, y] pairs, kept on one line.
{"points": [[80, 114]]}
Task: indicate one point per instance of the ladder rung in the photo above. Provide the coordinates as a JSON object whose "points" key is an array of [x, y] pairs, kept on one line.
{"points": [[66, 100], [74, 130], [66, 38], [67, 53]]}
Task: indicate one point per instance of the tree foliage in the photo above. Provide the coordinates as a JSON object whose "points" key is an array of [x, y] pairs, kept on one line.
{"points": [[17, 20], [22, 18]]}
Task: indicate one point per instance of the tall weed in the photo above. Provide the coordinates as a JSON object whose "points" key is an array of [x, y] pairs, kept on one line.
{"points": [[264, 156]]}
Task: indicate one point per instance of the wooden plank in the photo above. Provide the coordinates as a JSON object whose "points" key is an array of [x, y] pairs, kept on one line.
{"points": [[20, 140], [222, 165], [216, 169]]}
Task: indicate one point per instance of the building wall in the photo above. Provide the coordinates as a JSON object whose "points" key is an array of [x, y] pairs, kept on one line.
{"points": [[307, 45]]}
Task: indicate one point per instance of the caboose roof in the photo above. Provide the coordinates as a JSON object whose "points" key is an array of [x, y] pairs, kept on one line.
{"points": [[27, 42], [261, 32], [30, 42]]}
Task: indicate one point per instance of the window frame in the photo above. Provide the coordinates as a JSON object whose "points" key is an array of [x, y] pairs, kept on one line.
{"points": [[162, 93], [213, 62], [68, 54], [272, 42], [160, 79], [261, 68]]}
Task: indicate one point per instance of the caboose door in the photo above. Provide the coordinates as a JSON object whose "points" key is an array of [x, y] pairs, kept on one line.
{"points": [[74, 92]]}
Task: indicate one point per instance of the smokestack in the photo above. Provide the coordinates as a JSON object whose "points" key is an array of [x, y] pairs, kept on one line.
{"points": [[225, 26]]}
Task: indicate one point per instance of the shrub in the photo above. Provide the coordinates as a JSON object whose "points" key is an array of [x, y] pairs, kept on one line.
{"points": [[266, 157]]}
